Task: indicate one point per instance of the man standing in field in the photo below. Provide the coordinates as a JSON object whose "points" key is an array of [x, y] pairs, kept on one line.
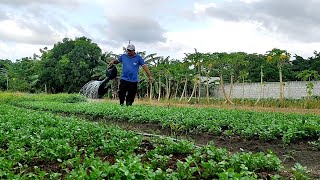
{"points": [[129, 78]]}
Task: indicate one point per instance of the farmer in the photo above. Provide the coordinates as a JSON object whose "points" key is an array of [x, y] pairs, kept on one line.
{"points": [[129, 78]]}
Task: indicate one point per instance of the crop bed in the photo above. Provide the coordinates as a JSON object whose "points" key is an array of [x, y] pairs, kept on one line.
{"points": [[250, 125], [42, 145], [45, 136]]}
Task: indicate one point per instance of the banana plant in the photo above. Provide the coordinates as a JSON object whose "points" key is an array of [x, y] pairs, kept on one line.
{"points": [[100, 70]]}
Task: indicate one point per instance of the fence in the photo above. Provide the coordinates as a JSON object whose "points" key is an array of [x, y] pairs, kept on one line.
{"points": [[292, 90]]}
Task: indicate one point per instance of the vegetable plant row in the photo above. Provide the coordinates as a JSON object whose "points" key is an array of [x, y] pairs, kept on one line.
{"points": [[41, 145], [263, 125]]}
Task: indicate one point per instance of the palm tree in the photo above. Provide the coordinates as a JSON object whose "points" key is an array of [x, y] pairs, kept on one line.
{"points": [[221, 62], [280, 57]]}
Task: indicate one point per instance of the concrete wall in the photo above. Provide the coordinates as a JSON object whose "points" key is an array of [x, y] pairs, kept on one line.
{"points": [[292, 89]]}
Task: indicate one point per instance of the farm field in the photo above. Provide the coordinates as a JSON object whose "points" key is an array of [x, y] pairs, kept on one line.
{"points": [[209, 90], [65, 136]]}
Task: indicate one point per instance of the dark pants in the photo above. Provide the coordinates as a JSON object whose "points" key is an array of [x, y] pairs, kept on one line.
{"points": [[127, 91]]}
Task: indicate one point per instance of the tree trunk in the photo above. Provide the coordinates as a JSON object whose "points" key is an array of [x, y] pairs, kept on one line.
{"points": [[177, 87], [146, 95], [184, 89], [230, 90], [281, 86], [167, 88], [199, 93], [231, 86], [151, 89], [243, 89], [224, 91], [208, 88], [261, 86], [159, 96], [193, 91], [7, 83]]}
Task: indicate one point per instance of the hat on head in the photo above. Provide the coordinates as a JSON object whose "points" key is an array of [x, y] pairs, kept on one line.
{"points": [[131, 47]]}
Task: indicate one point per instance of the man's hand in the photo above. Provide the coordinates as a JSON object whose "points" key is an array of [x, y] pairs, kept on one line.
{"points": [[112, 62], [150, 78]]}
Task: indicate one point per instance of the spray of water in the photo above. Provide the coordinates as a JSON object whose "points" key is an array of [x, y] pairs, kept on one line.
{"points": [[96, 89], [91, 89]]}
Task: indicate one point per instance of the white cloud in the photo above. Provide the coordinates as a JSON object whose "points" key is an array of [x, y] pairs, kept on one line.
{"points": [[13, 32], [253, 26], [200, 8], [24, 3], [297, 19], [18, 51], [248, 37], [136, 28]]}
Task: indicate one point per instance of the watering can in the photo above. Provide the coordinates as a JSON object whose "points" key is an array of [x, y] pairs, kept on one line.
{"points": [[111, 73]]}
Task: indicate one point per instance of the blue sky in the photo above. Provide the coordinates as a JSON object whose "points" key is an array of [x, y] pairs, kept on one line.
{"points": [[169, 28]]}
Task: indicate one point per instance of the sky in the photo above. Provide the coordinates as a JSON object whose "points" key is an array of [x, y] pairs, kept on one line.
{"points": [[166, 27]]}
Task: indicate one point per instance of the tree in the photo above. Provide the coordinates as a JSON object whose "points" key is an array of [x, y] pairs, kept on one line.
{"points": [[315, 62], [195, 60], [309, 75], [22, 75], [280, 57], [237, 63], [221, 62], [69, 64], [185, 76], [4, 72]]}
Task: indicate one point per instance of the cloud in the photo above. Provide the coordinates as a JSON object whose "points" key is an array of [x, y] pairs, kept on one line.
{"points": [[17, 51], [27, 29], [135, 28], [32, 23], [295, 19], [138, 21], [24, 3], [135, 8], [15, 33], [3, 15], [253, 26]]}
